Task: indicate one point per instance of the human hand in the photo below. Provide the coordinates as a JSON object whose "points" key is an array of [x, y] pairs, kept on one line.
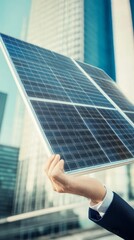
{"points": [[80, 185], [54, 169]]}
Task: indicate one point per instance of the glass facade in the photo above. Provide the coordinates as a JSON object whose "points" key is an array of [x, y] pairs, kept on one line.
{"points": [[61, 26], [8, 171], [3, 98], [98, 35]]}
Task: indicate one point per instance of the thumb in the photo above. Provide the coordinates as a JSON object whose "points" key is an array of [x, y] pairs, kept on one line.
{"points": [[61, 164]]}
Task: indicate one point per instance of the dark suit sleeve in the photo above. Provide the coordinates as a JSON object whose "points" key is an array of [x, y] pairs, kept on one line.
{"points": [[118, 219]]}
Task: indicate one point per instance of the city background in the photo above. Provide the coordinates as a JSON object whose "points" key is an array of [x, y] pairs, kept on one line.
{"points": [[98, 32]]}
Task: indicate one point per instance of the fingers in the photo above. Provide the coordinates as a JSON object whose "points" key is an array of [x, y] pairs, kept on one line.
{"points": [[55, 172], [54, 162], [47, 165], [61, 164]]}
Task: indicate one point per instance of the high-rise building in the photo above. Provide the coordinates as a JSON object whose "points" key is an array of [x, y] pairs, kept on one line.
{"points": [[80, 29], [98, 35], [8, 171], [57, 25], [3, 98], [123, 35], [94, 31]]}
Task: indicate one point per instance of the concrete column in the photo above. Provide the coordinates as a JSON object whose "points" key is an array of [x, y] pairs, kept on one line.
{"points": [[124, 46]]}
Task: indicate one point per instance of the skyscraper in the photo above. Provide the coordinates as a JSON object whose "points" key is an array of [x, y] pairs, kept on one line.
{"points": [[8, 168], [87, 30], [3, 98], [8, 171], [80, 29], [57, 25]]}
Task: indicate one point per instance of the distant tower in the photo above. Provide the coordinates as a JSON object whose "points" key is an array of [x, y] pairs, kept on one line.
{"points": [[79, 29], [3, 98], [8, 169]]}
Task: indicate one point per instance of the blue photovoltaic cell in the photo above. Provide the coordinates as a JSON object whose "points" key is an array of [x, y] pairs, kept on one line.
{"points": [[106, 137], [93, 71], [121, 127], [69, 136], [130, 115], [49, 75]]}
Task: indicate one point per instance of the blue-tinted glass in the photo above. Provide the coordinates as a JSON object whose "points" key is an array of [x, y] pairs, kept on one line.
{"points": [[98, 35]]}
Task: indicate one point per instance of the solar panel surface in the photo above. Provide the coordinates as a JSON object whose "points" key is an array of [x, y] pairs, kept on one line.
{"points": [[71, 111]]}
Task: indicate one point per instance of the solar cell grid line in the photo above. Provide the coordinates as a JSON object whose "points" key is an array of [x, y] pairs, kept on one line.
{"points": [[53, 62], [69, 136], [94, 71], [121, 127], [106, 137], [130, 115]]}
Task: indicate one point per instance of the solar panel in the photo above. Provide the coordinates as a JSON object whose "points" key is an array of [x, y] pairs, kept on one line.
{"points": [[71, 110]]}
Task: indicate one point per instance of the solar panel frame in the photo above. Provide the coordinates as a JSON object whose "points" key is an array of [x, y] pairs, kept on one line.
{"points": [[36, 121], [130, 115]]}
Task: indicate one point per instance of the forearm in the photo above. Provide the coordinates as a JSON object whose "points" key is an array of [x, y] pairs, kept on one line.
{"points": [[88, 187], [80, 185]]}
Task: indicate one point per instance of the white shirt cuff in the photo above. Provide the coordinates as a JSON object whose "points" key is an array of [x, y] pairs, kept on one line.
{"points": [[102, 206]]}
